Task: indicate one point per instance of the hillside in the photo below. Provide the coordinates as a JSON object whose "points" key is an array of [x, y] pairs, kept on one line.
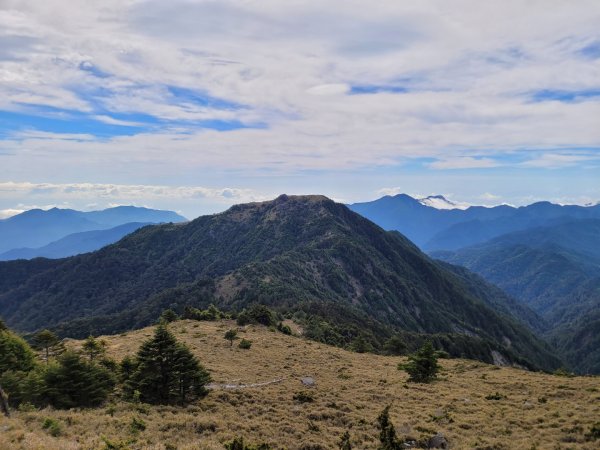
{"points": [[554, 270], [533, 410], [74, 244], [450, 229], [36, 228], [304, 256]]}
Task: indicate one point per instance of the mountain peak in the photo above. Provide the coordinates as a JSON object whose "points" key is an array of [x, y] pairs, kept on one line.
{"points": [[441, 202]]}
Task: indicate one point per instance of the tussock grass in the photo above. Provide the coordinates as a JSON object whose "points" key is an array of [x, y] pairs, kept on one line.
{"points": [[350, 391]]}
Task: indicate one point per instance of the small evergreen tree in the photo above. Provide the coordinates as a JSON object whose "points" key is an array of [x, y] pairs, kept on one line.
{"points": [[231, 335], [166, 371], [47, 341], [74, 382], [395, 345], [15, 353], [168, 316], [387, 432], [422, 366], [93, 347]]}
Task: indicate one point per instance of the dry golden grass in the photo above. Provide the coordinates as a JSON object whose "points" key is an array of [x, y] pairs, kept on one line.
{"points": [[537, 411]]}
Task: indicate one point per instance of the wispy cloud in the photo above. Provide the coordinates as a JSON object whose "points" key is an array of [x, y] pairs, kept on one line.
{"points": [[137, 91], [464, 162]]}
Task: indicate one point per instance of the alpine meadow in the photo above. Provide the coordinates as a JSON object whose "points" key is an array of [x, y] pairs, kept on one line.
{"points": [[266, 225]]}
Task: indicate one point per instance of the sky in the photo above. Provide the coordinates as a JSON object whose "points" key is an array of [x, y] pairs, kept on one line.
{"points": [[196, 105]]}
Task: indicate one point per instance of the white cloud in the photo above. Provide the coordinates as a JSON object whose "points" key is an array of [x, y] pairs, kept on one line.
{"points": [[464, 162], [468, 69]]}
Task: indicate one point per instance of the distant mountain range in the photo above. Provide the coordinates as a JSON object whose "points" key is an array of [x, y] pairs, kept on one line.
{"points": [[555, 270], [57, 233], [308, 257], [432, 228]]}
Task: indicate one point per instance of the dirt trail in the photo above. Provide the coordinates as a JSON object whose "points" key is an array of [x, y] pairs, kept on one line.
{"points": [[214, 386]]}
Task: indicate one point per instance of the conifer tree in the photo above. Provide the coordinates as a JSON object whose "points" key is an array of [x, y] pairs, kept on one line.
{"points": [[73, 382], [387, 432], [47, 341], [93, 347], [422, 366], [166, 371], [231, 335]]}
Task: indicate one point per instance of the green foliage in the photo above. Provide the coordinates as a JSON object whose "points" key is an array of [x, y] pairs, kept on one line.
{"points": [[395, 345], [93, 348], [25, 387], [15, 353], [238, 444], [245, 344], [361, 345], [136, 425], [285, 329], [73, 382], [168, 316], [387, 432], [49, 342], [52, 426], [422, 366], [231, 335], [258, 314], [166, 371], [495, 396]]}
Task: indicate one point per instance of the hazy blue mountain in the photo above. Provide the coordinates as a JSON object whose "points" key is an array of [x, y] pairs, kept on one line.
{"points": [[450, 229], [74, 244], [556, 271], [306, 255], [37, 228]]}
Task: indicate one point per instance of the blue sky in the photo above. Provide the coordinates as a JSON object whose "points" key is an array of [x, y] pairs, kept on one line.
{"points": [[195, 105]]}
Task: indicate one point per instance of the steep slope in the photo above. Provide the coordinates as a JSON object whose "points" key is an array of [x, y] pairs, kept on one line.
{"points": [[450, 229], [74, 244], [297, 254], [36, 228], [554, 270]]}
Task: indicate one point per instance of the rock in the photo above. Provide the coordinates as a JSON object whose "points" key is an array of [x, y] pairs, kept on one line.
{"points": [[437, 441], [308, 381], [528, 405]]}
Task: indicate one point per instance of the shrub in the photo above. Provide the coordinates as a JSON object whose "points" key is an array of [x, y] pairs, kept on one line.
{"points": [[285, 329], [259, 314], [496, 396], [136, 425], [52, 426], [245, 344], [594, 433], [168, 316], [422, 366], [304, 397]]}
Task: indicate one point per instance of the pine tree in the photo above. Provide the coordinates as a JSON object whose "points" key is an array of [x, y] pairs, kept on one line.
{"points": [[74, 382], [47, 341], [230, 335], [422, 366], [166, 371], [387, 432], [93, 347], [15, 353]]}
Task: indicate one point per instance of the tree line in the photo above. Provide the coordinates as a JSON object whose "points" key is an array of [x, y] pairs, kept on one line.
{"points": [[164, 371]]}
